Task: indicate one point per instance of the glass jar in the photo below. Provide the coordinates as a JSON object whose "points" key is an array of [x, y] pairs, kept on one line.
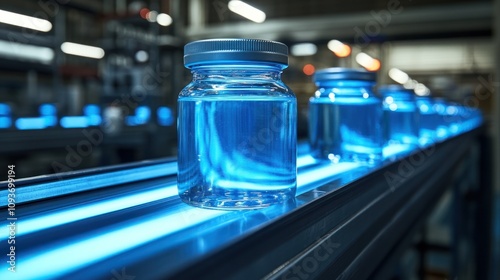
{"points": [[345, 117], [428, 119], [236, 126], [443, 122], [401, 115]]}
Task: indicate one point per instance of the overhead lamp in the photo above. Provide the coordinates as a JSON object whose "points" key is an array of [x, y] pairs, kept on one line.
{"points": [[141, 56], [247, 11], [26, 52], [398, 76], [82, 50], [368, 62], [421, 90], [164, 19], [338, 48], [410, 84], [20, 20], [303, 49], [151, 16]]}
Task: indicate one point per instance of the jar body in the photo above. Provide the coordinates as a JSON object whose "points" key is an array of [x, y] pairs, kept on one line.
{"points": [[345, 122], [442, 130], [237, 138], [402, 118], [428, 119]]}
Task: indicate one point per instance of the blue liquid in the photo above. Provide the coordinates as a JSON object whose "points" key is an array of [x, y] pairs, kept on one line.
{"points": [[428, 120], [402, 125], [237, 152], [348, 129], [428, 127]]}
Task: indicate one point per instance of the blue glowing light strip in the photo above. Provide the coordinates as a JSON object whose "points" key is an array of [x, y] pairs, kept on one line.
{"points": [[46, 190], [5, 122], [305, 160], [90, 210], [79, 213], [31, 123], [397, 149], [96, 248], [305, 178], [74, 122], [110, 243], [321, 173]]}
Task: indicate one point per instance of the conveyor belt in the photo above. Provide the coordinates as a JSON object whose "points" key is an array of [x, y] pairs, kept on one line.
{"points": [[128, 220]]}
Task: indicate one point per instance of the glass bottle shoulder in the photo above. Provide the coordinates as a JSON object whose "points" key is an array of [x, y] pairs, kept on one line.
{"points": [[346, 95], [236, 88]]}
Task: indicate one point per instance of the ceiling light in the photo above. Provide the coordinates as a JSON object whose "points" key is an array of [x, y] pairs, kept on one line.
{"points": [[303, 49], [164, 19], [247, 11], [141, 56], [368, 62], [82, 50], [26, 52], [422, 90], [151, 16], [398, 76], [338, 48], [25, 21], [410, 84]]}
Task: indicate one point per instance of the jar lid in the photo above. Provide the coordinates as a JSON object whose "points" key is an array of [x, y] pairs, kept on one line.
{"points": [[226, 51], [340, 73], [390, 89]]}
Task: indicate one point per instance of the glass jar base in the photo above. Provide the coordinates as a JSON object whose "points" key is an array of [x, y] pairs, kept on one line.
{"points": [[236, 199]]}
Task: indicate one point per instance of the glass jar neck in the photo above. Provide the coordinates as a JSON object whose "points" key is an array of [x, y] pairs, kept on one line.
{"points": [[345, 84], [399, 95], [226, 72], [344, 88]]}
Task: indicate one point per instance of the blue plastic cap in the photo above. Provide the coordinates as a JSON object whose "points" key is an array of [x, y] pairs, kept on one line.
{"points": [[390, 89], [339, 73], [226, 51]]}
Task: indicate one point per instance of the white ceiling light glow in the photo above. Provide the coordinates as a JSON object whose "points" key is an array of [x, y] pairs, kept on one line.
{"points": [[368, 62], [303, 49], [82, 50], [247, 11], [422, 90], [26, 52], [151, 16], [338, 48], [25, 21], [398, 76], [164, 19]]}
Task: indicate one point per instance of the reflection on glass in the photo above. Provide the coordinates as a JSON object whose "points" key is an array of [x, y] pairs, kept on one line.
{"points": [[401, 115], [345, 117]]}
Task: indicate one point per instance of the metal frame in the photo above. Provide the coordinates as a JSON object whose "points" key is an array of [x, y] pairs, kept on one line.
{"points": [[352, 226], [437, 20], [364, 221]]}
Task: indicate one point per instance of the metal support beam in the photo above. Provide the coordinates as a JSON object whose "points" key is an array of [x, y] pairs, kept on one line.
{"points": [[197, 14], [362, 27], [496, 142]]}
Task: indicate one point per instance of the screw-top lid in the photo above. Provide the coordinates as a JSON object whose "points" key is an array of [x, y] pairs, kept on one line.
{"points": [[398, 89], [225, 51], [340, 73]]}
